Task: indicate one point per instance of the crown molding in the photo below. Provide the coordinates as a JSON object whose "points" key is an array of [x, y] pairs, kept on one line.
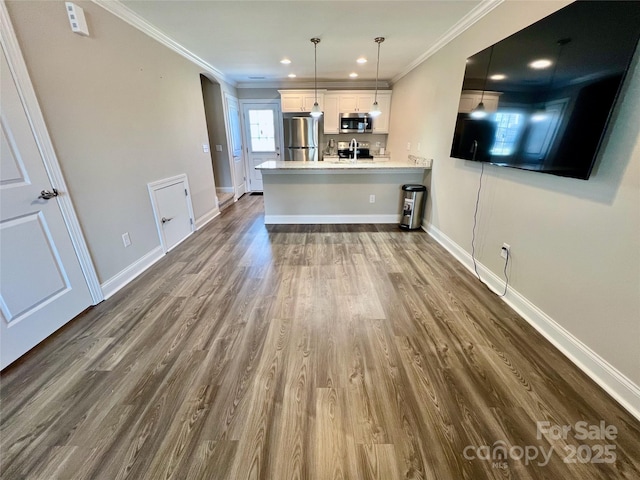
{"points": [[467, 21], [121, 11], [129, 16], [306, 85]]}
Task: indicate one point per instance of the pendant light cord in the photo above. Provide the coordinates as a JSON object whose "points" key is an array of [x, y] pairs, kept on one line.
{"points": [[377, 71], [315, 41], [486, 75], [561, 43], [378, 40]]}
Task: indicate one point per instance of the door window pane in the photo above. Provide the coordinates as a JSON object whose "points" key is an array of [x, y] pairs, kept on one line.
{"points": [[262, 131]]}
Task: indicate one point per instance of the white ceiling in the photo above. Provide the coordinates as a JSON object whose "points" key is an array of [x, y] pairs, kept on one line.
{"points": [[244, 39]]}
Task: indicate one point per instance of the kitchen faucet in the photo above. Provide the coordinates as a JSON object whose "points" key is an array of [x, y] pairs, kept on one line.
{"points": [[353, 147]]}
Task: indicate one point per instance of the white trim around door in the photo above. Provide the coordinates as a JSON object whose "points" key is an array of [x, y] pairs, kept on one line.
{"points": [[28, 97], [249, 165]]}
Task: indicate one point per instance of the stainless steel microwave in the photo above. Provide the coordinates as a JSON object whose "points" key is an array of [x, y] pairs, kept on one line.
{"points": [[355, 123]]}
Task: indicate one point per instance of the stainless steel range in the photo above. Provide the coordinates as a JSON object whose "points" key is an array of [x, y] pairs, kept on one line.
{"points": [[362, 149]]}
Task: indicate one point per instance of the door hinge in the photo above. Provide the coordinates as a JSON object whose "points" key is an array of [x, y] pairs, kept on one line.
{"points": [[185, 193], [191, 221]]}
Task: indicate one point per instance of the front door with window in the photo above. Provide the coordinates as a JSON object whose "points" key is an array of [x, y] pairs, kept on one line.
{"points": [[262, 131]]}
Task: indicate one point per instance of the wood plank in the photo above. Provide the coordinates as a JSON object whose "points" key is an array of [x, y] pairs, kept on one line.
{"points": [[299, 352]]}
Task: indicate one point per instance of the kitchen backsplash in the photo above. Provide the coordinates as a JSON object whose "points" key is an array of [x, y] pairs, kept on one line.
{"points": [[376, 141]]}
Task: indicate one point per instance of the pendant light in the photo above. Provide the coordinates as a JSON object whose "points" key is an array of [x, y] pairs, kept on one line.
{"points": [[375, 109], [315, 111], [480, 111]]}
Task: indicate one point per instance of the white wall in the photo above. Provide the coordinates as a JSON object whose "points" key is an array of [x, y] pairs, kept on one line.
{"points": [[258, 94], [575, 244], [122, 111]]}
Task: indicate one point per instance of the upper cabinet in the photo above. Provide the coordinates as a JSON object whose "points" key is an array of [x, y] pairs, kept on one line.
{"points": [[335, 102], [331, 113], [355, 101], [381, 122], [358, 102], [295, 101], [469, 99]]}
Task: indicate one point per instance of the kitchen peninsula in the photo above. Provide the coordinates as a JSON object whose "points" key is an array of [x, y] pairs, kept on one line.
{"points": [[336, 191]]}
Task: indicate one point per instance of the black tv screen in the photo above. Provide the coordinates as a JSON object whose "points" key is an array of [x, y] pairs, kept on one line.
{"points": [[542, 98]]}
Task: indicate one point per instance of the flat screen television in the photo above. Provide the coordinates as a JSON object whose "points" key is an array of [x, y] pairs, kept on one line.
{"points": [[542, 98]]}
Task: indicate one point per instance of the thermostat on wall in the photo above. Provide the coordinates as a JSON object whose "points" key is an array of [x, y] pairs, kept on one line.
{"points": [[76, 19]]}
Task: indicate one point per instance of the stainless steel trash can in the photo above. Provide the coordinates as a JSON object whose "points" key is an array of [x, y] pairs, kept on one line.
{"points": [[413, 198]]}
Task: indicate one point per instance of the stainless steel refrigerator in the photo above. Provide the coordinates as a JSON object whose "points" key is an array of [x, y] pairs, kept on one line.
{"points": [[301, 139]]}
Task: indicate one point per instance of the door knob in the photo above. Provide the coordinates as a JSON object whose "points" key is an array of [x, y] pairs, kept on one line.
{"points": [[46, 194], [165, 220]]}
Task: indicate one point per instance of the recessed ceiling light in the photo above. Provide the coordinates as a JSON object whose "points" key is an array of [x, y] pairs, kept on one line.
{"points": [[361, 60], [498, 76], [285, 61], [540, 64], [353, 74], [292, 75]]}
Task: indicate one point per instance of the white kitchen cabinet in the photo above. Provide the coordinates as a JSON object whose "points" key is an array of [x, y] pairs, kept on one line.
{"points": [[357, 102], [351, 101], [469, 99], [335, 102], [381, 122], [331, 113], [293, 101]]}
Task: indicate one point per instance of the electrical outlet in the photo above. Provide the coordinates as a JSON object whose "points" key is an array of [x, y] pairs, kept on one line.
{"points": [[205, 148], [126, 239], [408, 145], [505, 251], [372, 199], [218, 148]]}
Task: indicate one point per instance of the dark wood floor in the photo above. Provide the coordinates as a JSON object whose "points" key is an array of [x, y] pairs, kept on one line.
{"points": [[308, 352]]}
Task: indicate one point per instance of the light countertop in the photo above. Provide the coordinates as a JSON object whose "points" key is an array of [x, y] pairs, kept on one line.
{"points": [[376, 158], [333, 166]]}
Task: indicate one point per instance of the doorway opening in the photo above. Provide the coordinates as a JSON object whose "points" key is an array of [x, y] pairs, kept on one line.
{"points": [[216, 127]]}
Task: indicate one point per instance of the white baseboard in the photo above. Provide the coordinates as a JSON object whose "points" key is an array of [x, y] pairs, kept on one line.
{"points": [[225, 189], [121, 279], [206, 218], [323, 219], [615, 383]]}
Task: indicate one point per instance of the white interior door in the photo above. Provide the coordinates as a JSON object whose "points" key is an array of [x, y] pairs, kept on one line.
{"points": [[173, 210], [42, 286], [235, 134], [262, 131]]}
